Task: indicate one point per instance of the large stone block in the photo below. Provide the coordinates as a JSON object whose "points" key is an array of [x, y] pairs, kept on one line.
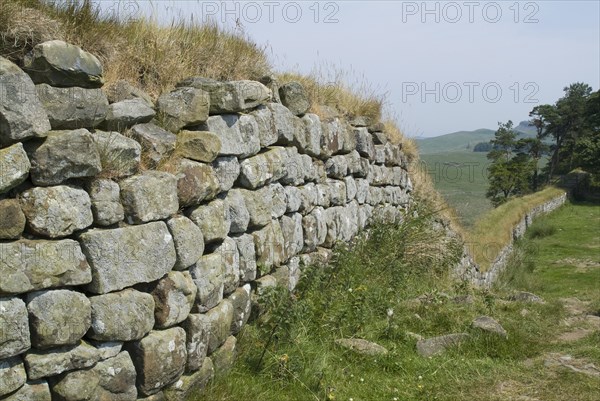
{"points": [[188, 240], [64, 155], [56, 211], [105, 196], [149, 196], [35, 265], [294, 97], [197, 329], [259, 204], [336, 138], [74, 107], [291, 227], [61, 64], [127, 113], [183, 107], [12, 375], [364, 143], [308, 137], [157, 143], [219, 323], [239, 134], [12, 219], [55, 361], [196, 182], [14, 167], [159, 359], [237, 211], [208, 275], [269, 246], [241, 302], [294, 167], [126, 256], [279, 200], [337, 166], [14, 336], [121, 316], [201, 146], [58, 317], [314, 226], [190, 384], [31, 391], [227, 169], [112, 379], [245, 245], [337, 192], [213, 220], [293, 199], [174, 296], [263, 168], [123, 90], [224, 358], [230, 260], [308, 197], [121, 156], [21, 112], [266, 132]]}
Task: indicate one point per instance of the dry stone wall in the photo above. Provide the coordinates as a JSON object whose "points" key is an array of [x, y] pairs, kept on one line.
{"points": [[134, 236]]}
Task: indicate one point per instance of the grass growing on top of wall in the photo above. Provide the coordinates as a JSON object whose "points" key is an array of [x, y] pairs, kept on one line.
{"points": [[494, 230]]}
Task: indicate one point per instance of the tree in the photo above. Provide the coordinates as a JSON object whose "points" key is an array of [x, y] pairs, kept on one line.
{"points": [[509, 171]]}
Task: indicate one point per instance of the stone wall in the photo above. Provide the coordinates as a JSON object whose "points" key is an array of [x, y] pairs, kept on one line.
{"points": [[469, 270], [134, 235]]}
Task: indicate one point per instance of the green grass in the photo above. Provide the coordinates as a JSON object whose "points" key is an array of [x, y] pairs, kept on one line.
{"points": [[388, 271]]}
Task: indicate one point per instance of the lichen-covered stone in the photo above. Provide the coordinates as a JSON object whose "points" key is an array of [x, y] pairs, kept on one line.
{"points": [[55, 361], [121, 316], [126, 256], [12, 375], [314, 228], [266, 132], [126, 114], [263, 168], [230, 260], [112, 379], [219, 318], [123, 90], [65, 155], [227, 169], [188, 239], [213, 220], [259, 204], [337, 166], [490, 325], [62, 64], [224, 358], [245, 245], [201, 146], [337, 192], [159, 359], [239, 134], [73, 107], [12, 219], [294, 167], [196, 182], [293, 199], [174, 296], [308, 137], [240, 300], [197, 329], [279, 200], [149, 196], [294, 97], [269, 245], [157, 143], [237, 211], [120, 156], [291, 227], [208, 277], [57, 317], [14, 167], [34, 265], [361, 346], [183, 107], [364, 143], [308, 197], [437, 345], [56, 211], [105, 196], [190, 384], [14, 336], [32, 391]]}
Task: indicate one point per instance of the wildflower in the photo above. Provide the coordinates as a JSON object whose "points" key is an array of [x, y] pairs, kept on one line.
{"points": [[420, 377], [349, 289], [390, 312], [362, 380]]}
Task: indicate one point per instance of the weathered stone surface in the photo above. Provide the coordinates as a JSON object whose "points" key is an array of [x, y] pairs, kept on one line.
{"points": [[437, 345], [61, 64], [227, 169], [121, 156], [263, 168], [269, 245], [362, 190], [73, 108], [183, 107], [159, 359], [197, 329], [523, 296], [310, 171], [379, 137], [200, 146], [259, 204], [22, 115], [56, 211], [14, 166], [293, 199], [337, 166], [188, 239], [121, 316], [208, 277], [64, 155], [58, 317], [112, 379], [123, 90], [196, 182], [294, 167], [219, 318], [35, 265], [247, 253], [308, 197], [337, 192], [239, 134], [14, 336], [12, 219], [238, 213], [279, 200], [12, 375], [266, 126], [126, 256], [379, 154], [308, 137], [105, 196], [149, 196], [271, 82], [240, 300], [342, 223], [293, 239], [336, 138], [323, 195], [190, 384], [230, 261], [351, 189], [174, 296], [126, 114], [364, 143], [294, 97], [224, 357], [232, 96], [31, 391], [62, 359], [157, 144], [213, 220], [314, 227], [362, 346], [490, 325]]}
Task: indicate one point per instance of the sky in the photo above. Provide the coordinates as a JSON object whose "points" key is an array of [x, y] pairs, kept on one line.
{"points": [[444, 66]]}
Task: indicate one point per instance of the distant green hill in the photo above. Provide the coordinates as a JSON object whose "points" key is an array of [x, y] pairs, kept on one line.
{"points": [[462, 141]]}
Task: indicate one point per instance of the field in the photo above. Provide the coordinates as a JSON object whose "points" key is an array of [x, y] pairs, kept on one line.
{"points": [[388, 290]]}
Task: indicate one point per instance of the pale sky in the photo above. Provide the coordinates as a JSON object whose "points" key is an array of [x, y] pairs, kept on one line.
{"points": [[446, 66]]}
